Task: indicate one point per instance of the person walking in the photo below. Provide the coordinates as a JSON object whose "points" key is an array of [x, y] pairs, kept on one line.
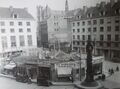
{"points": [[117, 68]]}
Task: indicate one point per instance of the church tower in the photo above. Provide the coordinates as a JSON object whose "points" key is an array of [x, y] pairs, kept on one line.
{"points": [[66, 6]]}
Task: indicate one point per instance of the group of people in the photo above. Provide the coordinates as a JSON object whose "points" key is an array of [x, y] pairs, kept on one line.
{"points": [[111, 71]]}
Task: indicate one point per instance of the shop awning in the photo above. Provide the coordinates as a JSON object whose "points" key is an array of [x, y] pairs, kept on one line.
{"points": [[64, 71], [9, 66]]}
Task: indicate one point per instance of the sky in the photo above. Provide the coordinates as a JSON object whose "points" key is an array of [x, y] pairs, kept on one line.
{"points": [[53, 4]]}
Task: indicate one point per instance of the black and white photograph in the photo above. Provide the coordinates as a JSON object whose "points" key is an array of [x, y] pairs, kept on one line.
{"points": [[59, 44]]}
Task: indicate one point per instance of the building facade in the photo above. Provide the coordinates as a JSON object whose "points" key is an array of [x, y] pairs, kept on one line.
{"points": [[101, 24], [17, 30], [59, 34]]}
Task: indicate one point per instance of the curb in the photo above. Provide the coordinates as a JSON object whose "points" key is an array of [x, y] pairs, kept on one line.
{"points": [[62, 84], [7, 76]]}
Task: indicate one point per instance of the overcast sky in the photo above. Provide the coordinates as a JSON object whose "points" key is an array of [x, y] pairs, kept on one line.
{"points": [[53, 4]]}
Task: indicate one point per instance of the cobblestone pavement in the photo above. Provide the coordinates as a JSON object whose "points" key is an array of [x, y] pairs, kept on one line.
{"points": [[7, 83]]}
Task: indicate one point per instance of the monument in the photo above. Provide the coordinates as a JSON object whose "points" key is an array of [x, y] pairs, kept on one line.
{"points": [[89, 82]]}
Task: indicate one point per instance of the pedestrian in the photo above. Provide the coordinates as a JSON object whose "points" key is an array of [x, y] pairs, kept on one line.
{"points": [[112, 71], [103, 77], [117, 68], [109, 71]]}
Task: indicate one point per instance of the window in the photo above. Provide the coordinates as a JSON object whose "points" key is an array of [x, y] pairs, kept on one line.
{"points": [[101, 43], [78, 30], [12, 30], [78, 37], [83, 37], [117, 11], [29, 40], [109, 28], [116, 28], [89, 29], [28, 23], [73, 36], [4, 42], [101, 21], [78, 23], [78, 17], [89, 15], [73, 30], [116, 37], [73, 24], [83, 30], [108, 44], [102, 13], [13, 41], [101, 37], [20, 30], [89, 37], [11, 23], [73, 42], [2, 23], [2, 30], [94, 29], [22, 41], [83, 23], [20, 23], [116, 44], [116, 21], [78, 43], [109, 37], [28, 30], [15, 16], [101, 29], [83, 43], [109, 20], [89, 22], [94, 22], [57, 29]]}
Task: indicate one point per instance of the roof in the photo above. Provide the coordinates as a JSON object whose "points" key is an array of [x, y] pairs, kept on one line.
{"points": [[71, 13], [106, 9], [25, 59], [21, 12]]}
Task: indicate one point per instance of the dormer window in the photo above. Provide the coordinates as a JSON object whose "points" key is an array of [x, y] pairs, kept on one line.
{"points": [[15, 16], [102, 13], [89, 15]]}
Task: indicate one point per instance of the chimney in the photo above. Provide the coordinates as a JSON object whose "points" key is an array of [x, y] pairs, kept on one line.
{"points": [[97, 5], [117, 0], [11, 9], [103, 4], [85, 9], [112, 2], [26, 9]]}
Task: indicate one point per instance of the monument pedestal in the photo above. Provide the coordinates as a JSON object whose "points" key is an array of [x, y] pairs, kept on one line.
{"points": [[90, 85]]}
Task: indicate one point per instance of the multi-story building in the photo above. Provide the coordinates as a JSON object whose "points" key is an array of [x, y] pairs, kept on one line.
{"points": [[17, 30], [101, 23], [57, 24]]}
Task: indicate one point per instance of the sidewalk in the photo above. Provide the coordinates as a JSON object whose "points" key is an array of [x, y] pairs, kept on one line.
{"points": [[7, 76], [35, 81], [62, 83]]}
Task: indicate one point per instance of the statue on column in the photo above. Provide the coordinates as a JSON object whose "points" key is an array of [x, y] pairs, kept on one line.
{"points": [[89, 80]]}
